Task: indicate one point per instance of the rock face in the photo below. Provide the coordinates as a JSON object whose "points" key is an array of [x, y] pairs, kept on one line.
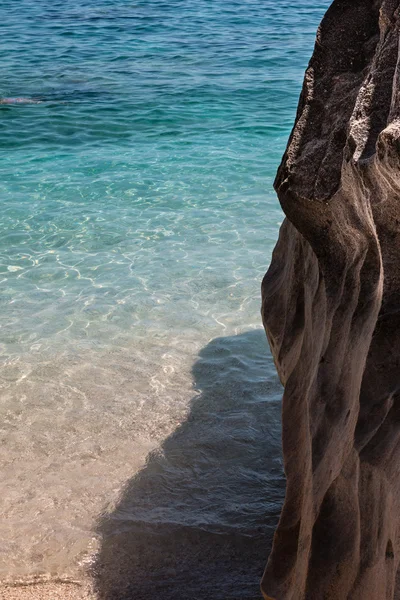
{"points": [[331, 309]]}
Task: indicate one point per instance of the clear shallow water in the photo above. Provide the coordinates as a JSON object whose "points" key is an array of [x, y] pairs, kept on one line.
{"points": [[137, 220]]}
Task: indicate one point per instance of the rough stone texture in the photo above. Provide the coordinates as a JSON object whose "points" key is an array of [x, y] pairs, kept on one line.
{"points": [[331, 309]]}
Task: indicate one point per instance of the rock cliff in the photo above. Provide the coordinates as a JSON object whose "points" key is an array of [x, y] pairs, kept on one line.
{"points": [[331, 309]]}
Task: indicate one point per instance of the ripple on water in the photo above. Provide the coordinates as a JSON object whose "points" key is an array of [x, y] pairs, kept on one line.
{"points": [[137, 220]]}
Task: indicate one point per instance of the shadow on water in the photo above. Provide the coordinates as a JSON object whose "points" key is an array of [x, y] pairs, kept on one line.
{"points": [[197, 521]]}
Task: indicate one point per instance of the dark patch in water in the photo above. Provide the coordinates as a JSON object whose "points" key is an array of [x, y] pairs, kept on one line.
{"points": [[197, 522]]}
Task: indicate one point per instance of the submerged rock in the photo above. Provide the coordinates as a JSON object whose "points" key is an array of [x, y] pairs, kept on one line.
{"points": [[20, 101], [331, 309]]}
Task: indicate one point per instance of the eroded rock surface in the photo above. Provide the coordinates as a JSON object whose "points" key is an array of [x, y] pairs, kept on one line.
{"points": [[331, 309]]}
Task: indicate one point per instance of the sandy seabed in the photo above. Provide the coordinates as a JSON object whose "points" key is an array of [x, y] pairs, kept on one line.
{"points": [[48, 591]]}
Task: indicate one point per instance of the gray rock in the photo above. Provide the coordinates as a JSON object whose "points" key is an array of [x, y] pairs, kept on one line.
{"points": [[331, 309]]}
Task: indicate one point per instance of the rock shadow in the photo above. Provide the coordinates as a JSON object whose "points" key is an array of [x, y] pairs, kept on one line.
{"points": [[197, 521]]}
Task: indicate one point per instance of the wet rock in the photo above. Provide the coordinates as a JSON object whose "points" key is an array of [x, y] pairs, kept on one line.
{"points": [[331, 309]]}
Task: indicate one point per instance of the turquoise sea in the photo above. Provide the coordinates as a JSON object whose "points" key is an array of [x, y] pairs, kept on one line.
{"points": [[139, 405]]}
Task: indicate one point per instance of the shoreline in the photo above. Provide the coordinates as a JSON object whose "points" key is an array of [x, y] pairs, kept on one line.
{"points": [[48, 590]]}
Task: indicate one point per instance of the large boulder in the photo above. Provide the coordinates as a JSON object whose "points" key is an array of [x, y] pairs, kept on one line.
{"points": [[331, 309]]}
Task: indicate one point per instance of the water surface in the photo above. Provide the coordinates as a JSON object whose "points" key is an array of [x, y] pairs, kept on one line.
{"points": [[137, 220]]}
